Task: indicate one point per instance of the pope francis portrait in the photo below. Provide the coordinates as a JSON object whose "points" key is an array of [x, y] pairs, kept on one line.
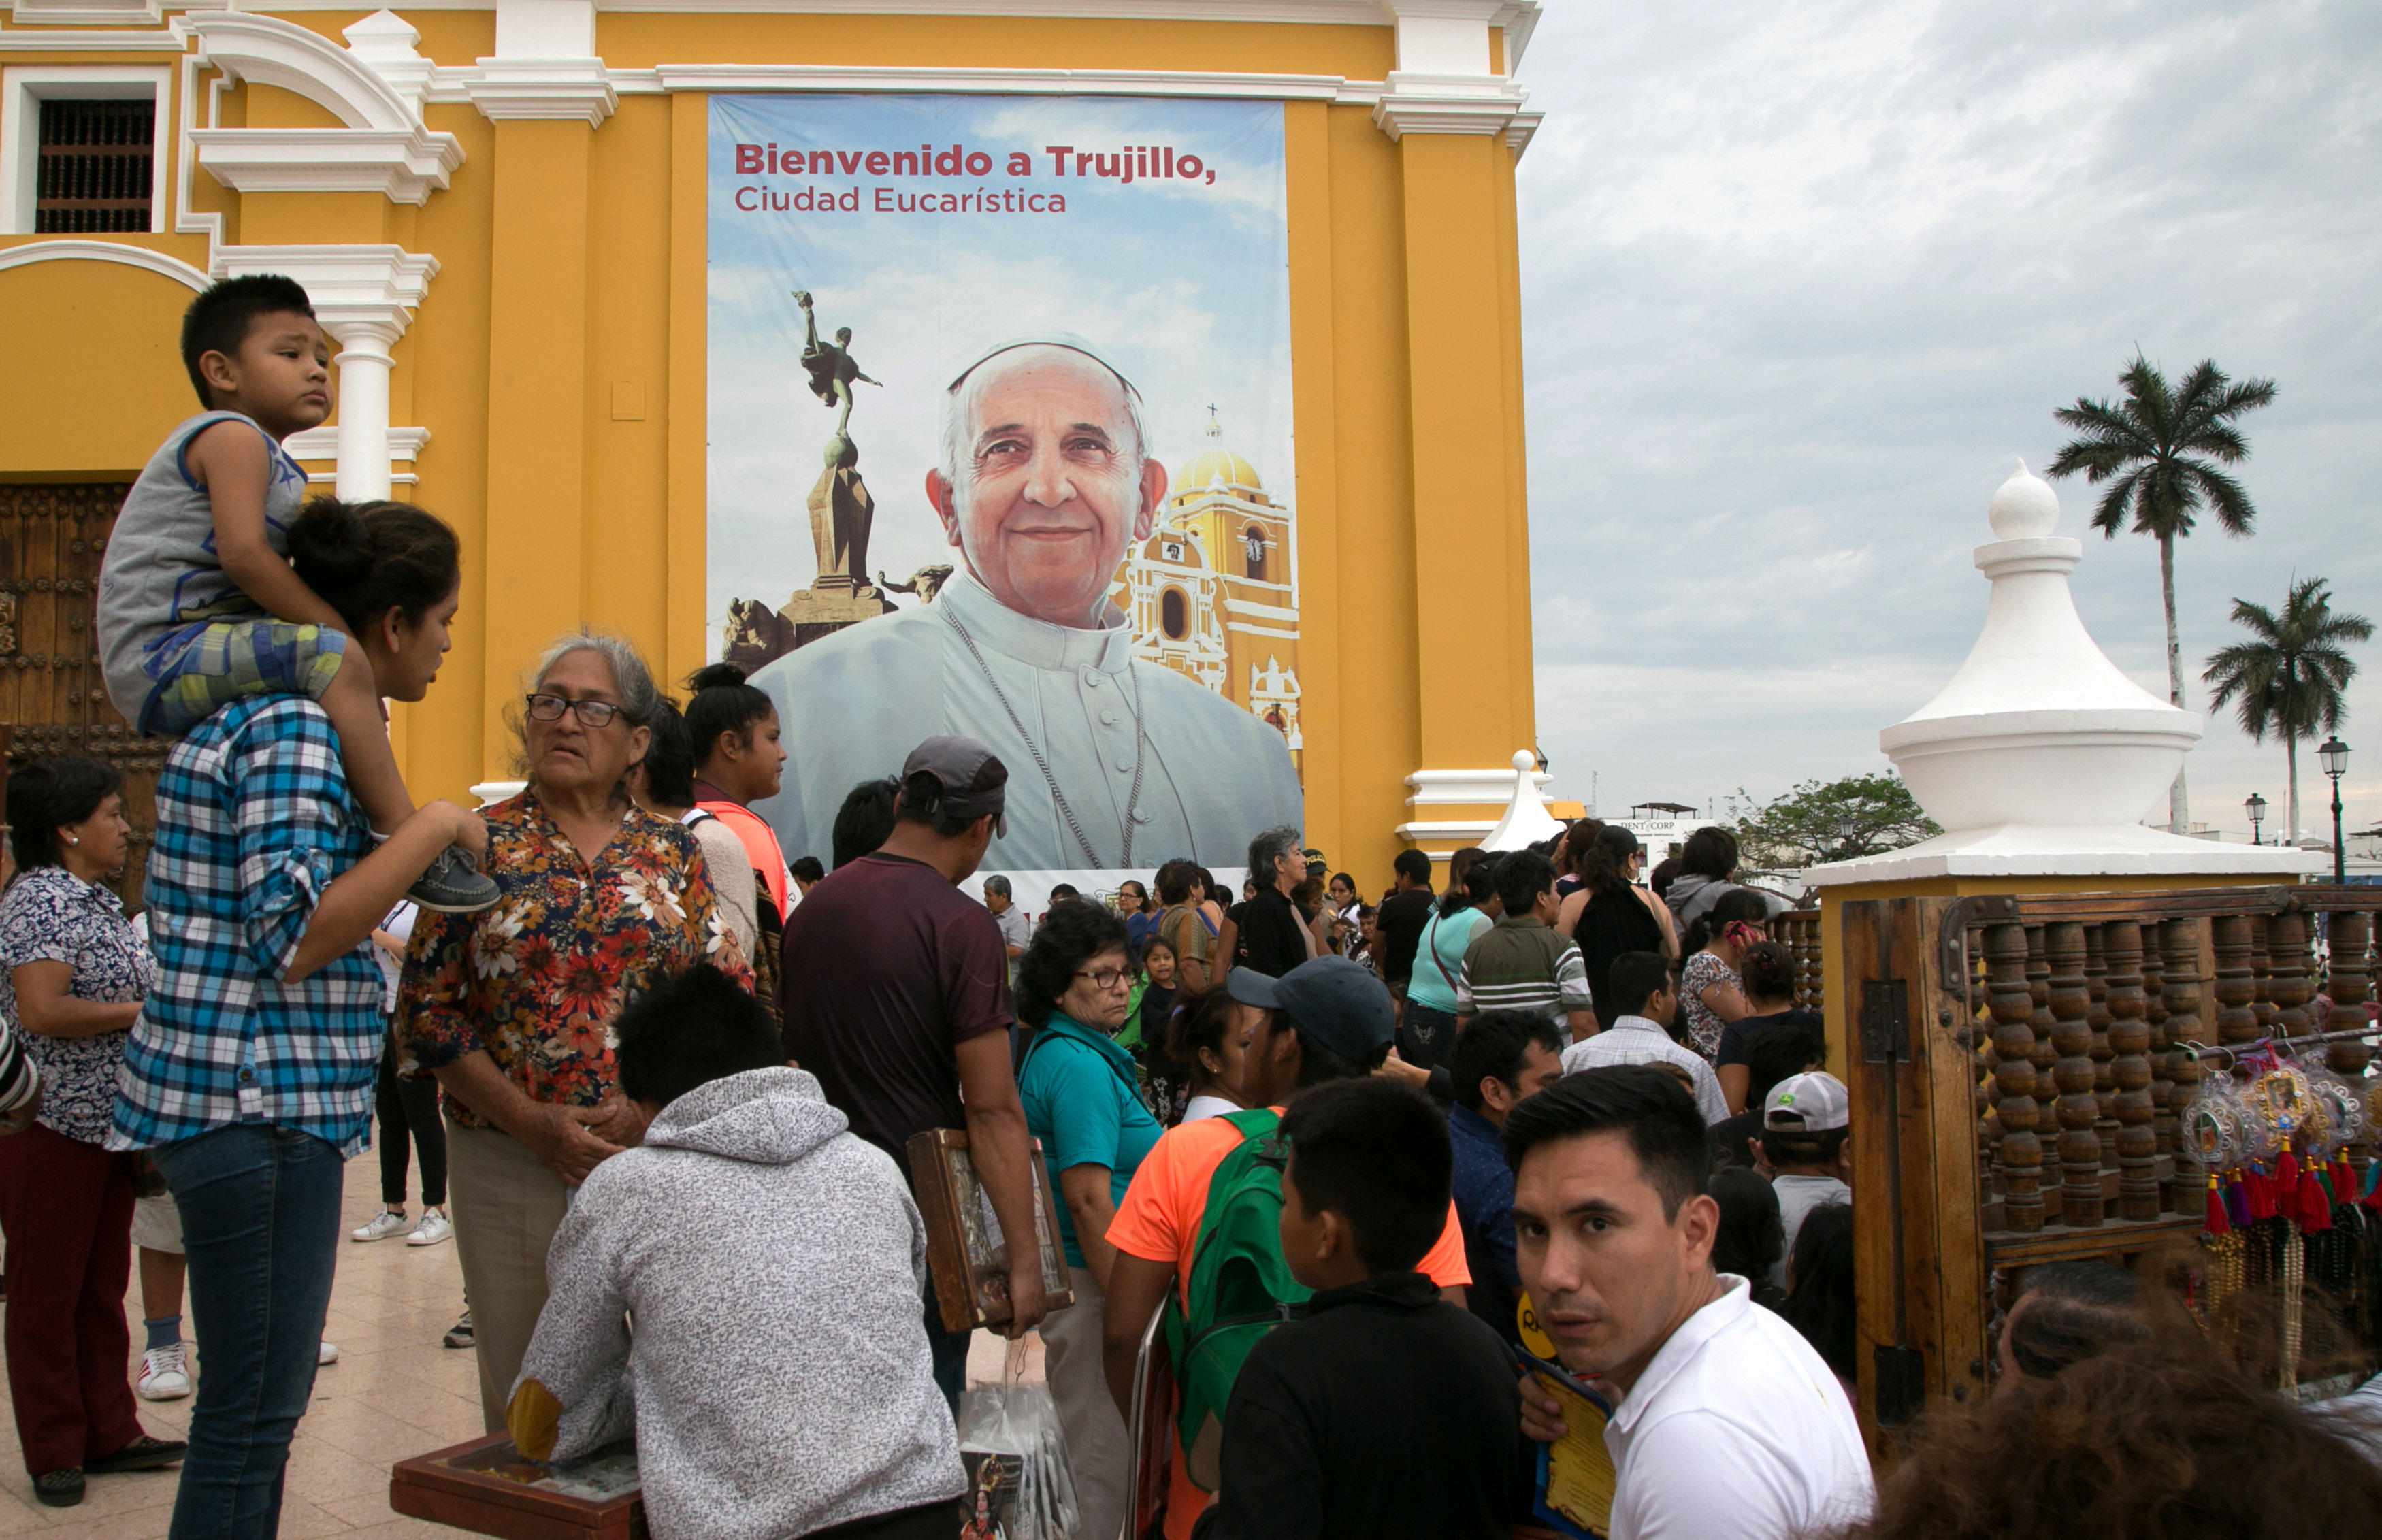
{"points": [[1046, 479]]}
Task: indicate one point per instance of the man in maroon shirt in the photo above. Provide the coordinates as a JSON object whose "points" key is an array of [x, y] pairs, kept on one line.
{"points": [[895, 993]]}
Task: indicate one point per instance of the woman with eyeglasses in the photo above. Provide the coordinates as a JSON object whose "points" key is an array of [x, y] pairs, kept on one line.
{"points": [[512, 1008], [1083, 1103], [1712, 985]]}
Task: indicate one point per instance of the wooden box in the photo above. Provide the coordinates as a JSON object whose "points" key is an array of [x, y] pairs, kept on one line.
{"points": [[486, 1487], [963, 1252]]}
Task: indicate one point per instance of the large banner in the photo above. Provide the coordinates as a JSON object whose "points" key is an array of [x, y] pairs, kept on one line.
{"points": [[999, 443]]}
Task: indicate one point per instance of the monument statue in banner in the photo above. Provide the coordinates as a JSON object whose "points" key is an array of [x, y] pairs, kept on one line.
{"points": [[841, 508]]}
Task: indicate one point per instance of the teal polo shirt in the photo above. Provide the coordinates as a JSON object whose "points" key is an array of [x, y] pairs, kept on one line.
{"points": [[1084, 1102]]}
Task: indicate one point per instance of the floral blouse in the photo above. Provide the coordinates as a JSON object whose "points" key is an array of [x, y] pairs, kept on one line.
{"points": [[538, 980], [1702, 971], [51, 915]]}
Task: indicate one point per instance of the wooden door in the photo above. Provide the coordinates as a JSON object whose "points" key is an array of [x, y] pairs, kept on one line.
{"points": [[52, 697]]}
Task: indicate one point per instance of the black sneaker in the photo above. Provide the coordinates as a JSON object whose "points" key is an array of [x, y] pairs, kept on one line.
{"points": [[453, 885], [459, 1334], [144, 1453], [59, 1488]]}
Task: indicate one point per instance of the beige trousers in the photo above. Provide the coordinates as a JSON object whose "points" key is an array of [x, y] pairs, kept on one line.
{"points": [[1096, 1450], [507, 1205]]}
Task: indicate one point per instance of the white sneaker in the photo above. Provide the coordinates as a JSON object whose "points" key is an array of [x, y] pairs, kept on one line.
{"points": [[387, 1222], [431, 1228], [165, 1376], [328, 1352]]}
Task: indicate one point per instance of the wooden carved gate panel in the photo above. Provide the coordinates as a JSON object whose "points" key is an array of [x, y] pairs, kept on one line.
{"points": [[51, 693]]}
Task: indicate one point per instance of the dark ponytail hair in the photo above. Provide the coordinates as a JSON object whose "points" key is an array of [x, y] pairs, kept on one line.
{"points": [[1739, 904], [1470, 890], [365, 559], [718, 700], [1768, 972], [669, 758], [1604, 863]]}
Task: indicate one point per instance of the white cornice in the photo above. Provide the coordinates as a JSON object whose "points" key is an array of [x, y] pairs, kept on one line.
{"points": [[1418, 103], [103, 251], [1335, 13], [85, 13], [1054, 82], [320, 445], [568, 90], [370, 290], [405, 165], [18, 40]]}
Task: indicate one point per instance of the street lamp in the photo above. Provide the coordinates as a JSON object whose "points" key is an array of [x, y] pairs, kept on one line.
{"points": [[2257, 808], [2335, 758], [1848, 826]]}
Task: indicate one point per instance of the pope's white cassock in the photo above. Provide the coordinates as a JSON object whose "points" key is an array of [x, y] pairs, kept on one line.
{"points": [[1200, 778]]}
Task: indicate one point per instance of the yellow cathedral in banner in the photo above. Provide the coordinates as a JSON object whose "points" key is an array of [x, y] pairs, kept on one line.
{"points": [[1213, 593]]}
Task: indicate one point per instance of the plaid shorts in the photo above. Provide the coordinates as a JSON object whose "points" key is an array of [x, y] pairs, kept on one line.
{"points": [[230, 660]]}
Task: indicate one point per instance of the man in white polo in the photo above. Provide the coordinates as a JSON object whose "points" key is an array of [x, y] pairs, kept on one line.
{"points": [[1724, 1421], [1046, 479]]}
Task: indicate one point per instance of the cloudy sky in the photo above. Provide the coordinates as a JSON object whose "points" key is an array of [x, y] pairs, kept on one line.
{"points": [[1800, 282]]}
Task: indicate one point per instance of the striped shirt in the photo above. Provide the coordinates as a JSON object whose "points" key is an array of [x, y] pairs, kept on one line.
{"points": [[1520, 964], [255, 821], [20, 1077]]}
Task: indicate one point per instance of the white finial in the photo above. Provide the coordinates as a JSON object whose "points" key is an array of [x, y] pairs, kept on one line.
{"points": [[2024, 507], [1527, 820]]}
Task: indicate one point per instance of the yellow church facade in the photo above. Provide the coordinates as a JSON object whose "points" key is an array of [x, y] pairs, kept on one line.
{"points": [[499, 208]]}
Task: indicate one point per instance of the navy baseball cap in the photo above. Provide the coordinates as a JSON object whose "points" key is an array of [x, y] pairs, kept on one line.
{"points": [[1332, 1000]]}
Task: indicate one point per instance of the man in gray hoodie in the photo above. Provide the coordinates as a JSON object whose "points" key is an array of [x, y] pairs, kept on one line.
{"points": [[780, 1384]]}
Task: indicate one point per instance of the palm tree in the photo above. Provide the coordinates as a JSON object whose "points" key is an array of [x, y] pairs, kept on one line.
{"points": [[2159, 449], [2290, 677]]}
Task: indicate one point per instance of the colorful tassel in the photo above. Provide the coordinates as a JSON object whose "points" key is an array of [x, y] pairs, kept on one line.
{"points": [[2287, 1177], [2344, 1180], [2259, 1189], [2237, 1202], [2313, 1206], [2218, 1223]]}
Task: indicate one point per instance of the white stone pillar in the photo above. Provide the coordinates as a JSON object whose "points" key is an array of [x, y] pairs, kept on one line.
{"points": [[364, 296], [363, 365]]}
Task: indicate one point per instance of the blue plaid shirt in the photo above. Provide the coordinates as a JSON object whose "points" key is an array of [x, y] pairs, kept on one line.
{"points": [[255, 820]]}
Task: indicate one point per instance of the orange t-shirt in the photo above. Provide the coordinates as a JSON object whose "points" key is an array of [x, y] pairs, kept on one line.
{"points": [[1159, 1221]]}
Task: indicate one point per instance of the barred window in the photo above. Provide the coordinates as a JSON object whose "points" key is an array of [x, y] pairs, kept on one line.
{"points": [[95, 166]]}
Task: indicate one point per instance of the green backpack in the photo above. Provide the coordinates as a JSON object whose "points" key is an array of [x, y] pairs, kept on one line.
{"points": [[1240, 1288]]}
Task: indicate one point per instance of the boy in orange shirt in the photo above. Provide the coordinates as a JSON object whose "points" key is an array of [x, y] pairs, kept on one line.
{"points": [[1326, 1020]]}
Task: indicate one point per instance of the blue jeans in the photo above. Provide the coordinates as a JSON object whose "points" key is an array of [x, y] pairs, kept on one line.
{"points": [[260, 1210]]}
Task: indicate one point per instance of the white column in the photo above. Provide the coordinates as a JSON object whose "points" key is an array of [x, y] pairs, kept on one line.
{"points": [[363, 363], [364, 296]]}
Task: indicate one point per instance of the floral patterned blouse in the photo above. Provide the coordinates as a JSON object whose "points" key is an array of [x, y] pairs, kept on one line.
{"points": [[538, 980], [51, 915], [1702, 971]]}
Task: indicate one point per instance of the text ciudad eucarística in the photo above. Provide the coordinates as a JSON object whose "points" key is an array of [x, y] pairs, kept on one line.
{"points": [[1128, 163]]}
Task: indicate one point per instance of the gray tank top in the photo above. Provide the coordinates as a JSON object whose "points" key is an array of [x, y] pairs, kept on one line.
{"points": [[160, 580]]}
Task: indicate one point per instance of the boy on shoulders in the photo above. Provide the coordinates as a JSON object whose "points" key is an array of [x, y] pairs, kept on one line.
{"points": [[1386, 1410], [198, 605]]}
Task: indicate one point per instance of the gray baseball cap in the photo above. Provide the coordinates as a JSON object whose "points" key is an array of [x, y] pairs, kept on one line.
{"points": [[973, 780], [1338, 1003]]}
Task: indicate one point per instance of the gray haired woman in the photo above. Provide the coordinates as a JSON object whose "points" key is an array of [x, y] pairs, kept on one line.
{"points": [[512, 1008]]}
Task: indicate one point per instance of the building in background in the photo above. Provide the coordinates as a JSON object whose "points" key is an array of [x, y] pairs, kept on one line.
{"points": [[501, 214]]}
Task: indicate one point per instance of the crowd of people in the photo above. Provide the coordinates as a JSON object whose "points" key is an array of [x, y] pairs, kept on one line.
{"points": [[1399, 1188]]}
